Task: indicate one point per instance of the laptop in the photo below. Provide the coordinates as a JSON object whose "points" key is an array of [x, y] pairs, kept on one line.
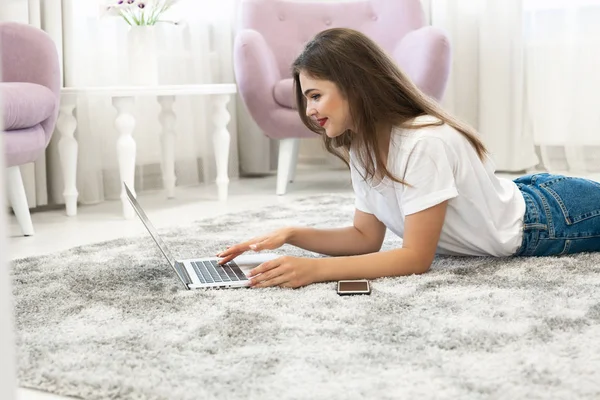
{"points": [[205, 272]]}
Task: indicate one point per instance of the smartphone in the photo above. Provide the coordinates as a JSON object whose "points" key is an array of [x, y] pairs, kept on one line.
{"points": [[347, 288]]}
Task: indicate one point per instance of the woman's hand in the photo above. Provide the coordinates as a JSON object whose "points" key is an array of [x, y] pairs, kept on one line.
{"points": [[288, 272], [270, 241]]}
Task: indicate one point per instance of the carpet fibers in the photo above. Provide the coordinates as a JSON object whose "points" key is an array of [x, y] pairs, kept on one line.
{"points": [[109, 321]]}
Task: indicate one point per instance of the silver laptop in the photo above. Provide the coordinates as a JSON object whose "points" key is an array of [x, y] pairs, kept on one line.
{"points": [[200, 273]]}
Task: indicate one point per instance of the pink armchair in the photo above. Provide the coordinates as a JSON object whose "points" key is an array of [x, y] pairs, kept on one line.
{"points": [[272, 33], [29, 97]]}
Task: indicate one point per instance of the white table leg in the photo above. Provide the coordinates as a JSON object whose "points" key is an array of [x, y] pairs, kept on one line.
{"points": [[221, 140], [167, 120], [126, 148], [67, 150]]}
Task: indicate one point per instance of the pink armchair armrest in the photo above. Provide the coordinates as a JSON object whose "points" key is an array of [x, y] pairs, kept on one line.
{"points": [[424, 54]]}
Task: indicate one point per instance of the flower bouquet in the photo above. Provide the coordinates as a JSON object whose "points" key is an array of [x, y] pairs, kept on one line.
{"points": [[139, 12]]}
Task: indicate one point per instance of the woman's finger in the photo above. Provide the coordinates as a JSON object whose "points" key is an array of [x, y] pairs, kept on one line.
{"points": [[238, 248], [228, 258], [264, 267], [273, 273], [279, 280], [259, 245], [224, 253]]}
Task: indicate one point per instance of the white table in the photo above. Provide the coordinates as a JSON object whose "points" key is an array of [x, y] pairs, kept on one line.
{"points": [[123, 99]]}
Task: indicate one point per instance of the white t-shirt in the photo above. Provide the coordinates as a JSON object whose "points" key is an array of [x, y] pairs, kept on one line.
{"points": [[485, 212]]}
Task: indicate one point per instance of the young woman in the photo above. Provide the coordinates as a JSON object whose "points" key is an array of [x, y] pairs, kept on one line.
{"points": [[417, 171]]}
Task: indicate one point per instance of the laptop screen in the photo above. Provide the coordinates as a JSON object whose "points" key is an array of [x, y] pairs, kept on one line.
{"points": [[161, 245], [150, 227]]}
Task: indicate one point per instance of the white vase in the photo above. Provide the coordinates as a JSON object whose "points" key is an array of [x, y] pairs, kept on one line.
{"points": [[142, 50]]}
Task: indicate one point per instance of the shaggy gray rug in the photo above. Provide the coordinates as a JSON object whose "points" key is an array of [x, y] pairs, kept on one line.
{"points": [[109, 321]]}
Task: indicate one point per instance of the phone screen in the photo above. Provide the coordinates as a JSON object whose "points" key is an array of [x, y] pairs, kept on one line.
{"points": [[353, 286]]}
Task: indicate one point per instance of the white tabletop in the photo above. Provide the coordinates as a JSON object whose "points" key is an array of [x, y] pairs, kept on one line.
{"points": [[159, 90]]}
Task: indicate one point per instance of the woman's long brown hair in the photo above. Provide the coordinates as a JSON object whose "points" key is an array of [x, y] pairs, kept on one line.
{"points": [[378, 92]]}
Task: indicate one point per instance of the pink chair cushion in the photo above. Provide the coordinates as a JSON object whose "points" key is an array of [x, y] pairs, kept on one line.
{"points": [[23, 146], [284, 93], [25, 105]]}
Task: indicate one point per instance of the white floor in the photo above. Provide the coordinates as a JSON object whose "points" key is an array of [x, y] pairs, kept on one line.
{"points": [[54, 231]]}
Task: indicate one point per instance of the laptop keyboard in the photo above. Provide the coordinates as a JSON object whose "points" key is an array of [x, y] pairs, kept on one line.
{"points": [[211, 272]]}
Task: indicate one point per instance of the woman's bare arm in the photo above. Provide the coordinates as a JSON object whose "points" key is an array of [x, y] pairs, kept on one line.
{"points": [[365, 236]]}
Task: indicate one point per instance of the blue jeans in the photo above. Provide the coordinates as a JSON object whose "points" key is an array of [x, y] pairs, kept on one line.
{"points": [[562, 215]]}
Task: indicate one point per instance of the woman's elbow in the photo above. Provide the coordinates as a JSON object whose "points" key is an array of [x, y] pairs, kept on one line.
{"points": [[421, 264], [375, 246], [368, 248], [421, 269]]}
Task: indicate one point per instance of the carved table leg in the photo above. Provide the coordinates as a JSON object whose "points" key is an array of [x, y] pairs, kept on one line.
{"points": [[126, 149], [167, 120], [68, 150], [221, 140]]}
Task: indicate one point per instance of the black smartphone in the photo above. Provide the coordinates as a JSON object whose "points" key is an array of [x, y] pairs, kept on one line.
{"points": [[348, 288]]}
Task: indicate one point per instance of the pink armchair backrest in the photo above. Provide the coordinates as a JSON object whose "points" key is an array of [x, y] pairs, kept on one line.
{"points": [[287, 26], [272, 33]]}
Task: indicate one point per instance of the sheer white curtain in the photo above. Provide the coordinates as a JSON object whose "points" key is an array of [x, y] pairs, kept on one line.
{"points": [[486, 85], [562, 39], [524, 75]]}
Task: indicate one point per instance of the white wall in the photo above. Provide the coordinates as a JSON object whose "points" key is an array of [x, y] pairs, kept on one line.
{"points": [[7, 359]]}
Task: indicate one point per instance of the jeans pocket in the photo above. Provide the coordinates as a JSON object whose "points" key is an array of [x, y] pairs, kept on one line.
{"points": [[578, 199]]}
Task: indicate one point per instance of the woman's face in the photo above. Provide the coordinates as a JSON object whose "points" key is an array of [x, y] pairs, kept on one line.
{"points": [[325, 103]]}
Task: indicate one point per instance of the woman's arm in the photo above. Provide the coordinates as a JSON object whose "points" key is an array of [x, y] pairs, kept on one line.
{"points": [[421, 235], [365, 236]]}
